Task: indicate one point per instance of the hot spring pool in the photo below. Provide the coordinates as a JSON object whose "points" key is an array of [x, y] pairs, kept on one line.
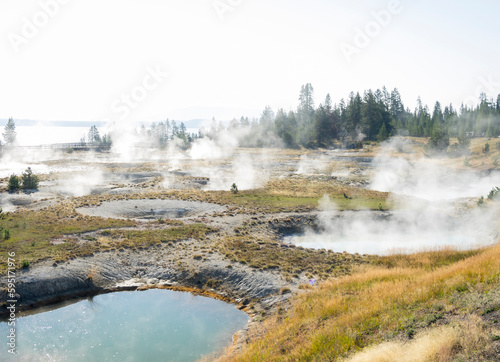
{"points": [[147, 209], [401, 231], [152, 325]]}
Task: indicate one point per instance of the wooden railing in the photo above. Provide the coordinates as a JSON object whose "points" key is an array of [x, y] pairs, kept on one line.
{"points": [[77, 146]]}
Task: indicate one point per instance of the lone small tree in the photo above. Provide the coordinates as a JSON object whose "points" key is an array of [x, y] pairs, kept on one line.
{"points": [[14, 183], [30, 180], [234, 188]]}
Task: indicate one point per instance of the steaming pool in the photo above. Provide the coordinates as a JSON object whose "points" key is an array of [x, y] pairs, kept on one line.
{"points": [[376, 233], [152, 325], [150, 209]]}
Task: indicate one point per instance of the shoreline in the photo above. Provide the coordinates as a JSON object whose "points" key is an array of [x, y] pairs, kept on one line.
{"points": [[47, 283], [251, 291]]}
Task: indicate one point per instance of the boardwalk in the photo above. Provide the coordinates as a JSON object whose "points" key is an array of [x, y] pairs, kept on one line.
{"points": [[77, 146]]}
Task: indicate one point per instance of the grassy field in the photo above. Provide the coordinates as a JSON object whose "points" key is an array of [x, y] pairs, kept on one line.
{"points": [[33, 235], [392, 306], [439, 305], [56, 234]]}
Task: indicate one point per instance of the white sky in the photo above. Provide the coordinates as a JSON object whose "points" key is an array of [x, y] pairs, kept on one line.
{"points": [[90, 52]]}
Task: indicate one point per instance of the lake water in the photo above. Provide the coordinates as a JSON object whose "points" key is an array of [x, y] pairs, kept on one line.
{"points": [[152, 325], [44, 135]]}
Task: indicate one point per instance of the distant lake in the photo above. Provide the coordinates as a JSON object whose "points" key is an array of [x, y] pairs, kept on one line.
{"points": [[41, 135]]}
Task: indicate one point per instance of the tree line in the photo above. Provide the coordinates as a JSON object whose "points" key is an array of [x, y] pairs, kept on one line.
{"points": [[157, 135], [375, 116]]}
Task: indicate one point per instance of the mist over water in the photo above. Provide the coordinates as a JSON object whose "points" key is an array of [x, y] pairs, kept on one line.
{"points": [[411, 228], [428, 180], [436, 210]]}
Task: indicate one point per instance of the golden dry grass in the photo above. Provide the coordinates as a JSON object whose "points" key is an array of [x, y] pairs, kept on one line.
{"points": [[436, 344], [457, 341], [344, 315]]}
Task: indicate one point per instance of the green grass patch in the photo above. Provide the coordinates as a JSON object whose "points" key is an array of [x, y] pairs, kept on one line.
{"points": [[267, 202], [32, 234]]}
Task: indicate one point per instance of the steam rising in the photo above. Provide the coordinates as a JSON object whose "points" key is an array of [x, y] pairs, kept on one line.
{"points": [[310, 165], [437, 214], [414, 227], [427, 178], [81, 184], [435, 211]]}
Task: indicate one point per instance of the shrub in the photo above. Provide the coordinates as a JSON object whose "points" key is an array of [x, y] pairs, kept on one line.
{"points": [[26, 264], [234, 188], [30, 181], [14, 183], [6, 234], [486, 148], [285, 290]]}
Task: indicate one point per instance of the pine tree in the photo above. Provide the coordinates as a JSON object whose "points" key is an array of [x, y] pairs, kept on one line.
{"points": [[267, 119], [439, 140], [322, 127], [93, 136], [371, 117], [29, 180], [175, 129], [10, 134], [306, 100], [383, 134], [13, 183], [352, 124]]}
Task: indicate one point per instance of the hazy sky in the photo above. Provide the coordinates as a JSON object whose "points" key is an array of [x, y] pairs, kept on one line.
{"points": [[131, 60]]}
